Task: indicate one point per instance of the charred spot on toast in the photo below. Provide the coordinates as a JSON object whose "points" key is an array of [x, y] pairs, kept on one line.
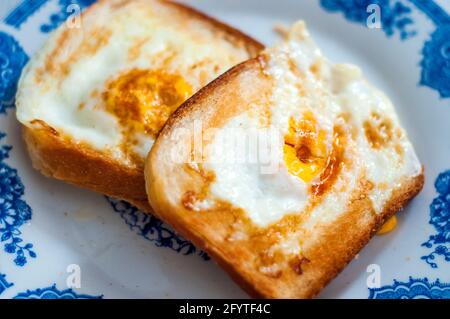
{"points": [[189, 200], [379, 130], [297, 264], [43, 125], [198, 200], [274, 261]]}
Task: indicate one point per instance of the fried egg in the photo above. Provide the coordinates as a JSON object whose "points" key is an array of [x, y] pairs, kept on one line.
{"points": [[338, 137], [111, 82]]}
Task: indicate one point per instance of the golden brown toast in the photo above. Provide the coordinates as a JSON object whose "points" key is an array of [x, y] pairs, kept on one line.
{"points": [[340, 173], [93, 99]]}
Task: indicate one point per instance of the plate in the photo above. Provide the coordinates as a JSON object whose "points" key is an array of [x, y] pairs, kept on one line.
{"points": [[59, 241]]}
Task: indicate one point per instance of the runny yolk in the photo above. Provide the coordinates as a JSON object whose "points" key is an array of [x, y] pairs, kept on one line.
{"points": [[305, 148], [388, 226], [143, 100], [310, 157]]}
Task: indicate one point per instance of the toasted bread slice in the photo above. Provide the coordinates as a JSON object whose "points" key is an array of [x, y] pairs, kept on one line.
{"points": [[339, 165], [94, 98]]}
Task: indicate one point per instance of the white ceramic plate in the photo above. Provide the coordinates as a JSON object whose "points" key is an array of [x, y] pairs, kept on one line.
{"points": [[50, 232]]}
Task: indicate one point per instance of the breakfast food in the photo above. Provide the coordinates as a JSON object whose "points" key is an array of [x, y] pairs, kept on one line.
{"points": [[94, 98], [283, 168]]}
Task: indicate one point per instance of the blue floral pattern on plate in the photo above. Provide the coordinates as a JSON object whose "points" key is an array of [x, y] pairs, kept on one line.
{"points": [[440, 219], [57, 18], [414, 289], [395, 16], [54, 293], [4, 284], [12, 60], [436, 52], [14, 211], [21, 13], [152, 229]]}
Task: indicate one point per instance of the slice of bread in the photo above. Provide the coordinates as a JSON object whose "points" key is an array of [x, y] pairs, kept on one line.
{"points": [[94, 98], [339, 165]]}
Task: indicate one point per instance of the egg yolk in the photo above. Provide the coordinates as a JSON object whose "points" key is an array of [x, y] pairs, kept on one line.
{"points": [[388, 226], [305, 148], [143, 100]]}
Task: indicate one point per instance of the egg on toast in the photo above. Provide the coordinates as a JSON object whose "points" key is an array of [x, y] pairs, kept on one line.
{"points": [[94, 98], [283, 168]]}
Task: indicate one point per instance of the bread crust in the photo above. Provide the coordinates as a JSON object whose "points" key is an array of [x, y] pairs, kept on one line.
{"points": [[78, 164], [62, 159], [166, 183], [251, 45]]}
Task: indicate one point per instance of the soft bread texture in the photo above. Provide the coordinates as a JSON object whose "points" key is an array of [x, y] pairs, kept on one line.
{"points": [[181, 192], [114, 39]]}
